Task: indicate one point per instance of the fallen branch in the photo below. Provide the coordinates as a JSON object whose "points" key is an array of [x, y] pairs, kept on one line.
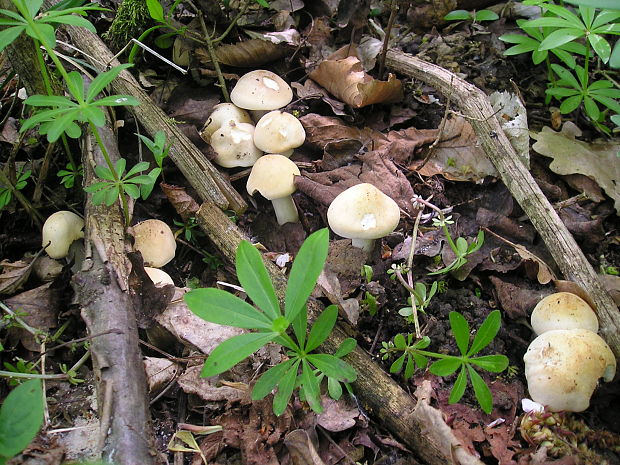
{"points": [[565, 251]]}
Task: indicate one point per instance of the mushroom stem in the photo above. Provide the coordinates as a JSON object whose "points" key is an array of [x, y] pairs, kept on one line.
{"points": [[286, 211], [365, 244]]}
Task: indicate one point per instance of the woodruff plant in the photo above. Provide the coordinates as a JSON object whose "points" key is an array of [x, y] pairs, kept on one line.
{"points": [[59, 115], [413, 354], [304, 368]]}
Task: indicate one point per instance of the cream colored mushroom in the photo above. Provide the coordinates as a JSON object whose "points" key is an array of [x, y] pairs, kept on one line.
{"points": [[273, 176], [159, 277], [563, 366], [279, 132], [59, 232], [363, 213], [223, 113], [261, 90], [563, 310], [155, 241], [234, 145]]}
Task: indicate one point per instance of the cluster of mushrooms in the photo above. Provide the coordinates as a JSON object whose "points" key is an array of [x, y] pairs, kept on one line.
{"points": [[153, 238], [567, 358], [361, 213]]}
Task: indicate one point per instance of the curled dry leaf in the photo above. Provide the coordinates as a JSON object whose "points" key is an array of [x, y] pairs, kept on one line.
{"points": [[14, 274], [301, 448], [346, 79], [183, 203], [597, 160], [247, 54]]}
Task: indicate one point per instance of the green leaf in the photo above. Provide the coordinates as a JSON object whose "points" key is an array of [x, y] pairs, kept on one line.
{"points": [[487, 331], [311, 387], [300, 326], [562, 92], [132, 190], [559, 37], [321, 328], [102, 80], [223, 308], [305, 272], [120, 166], [94, 115], [591, 108], [606, 4], [58, 126], [262, 3], [285, 389], [482, 391], [334, 388], [397, 365], [138, 168], [459, 387], [346, 347], [156, 11], [8, 35], [458, 15], [546, 21], [400, 342], [33, 7], [493, 363], [445, 367], [600, 46], [21, 417], [49, 101], [566, 14], [72, 20], [14, 15], [570, 104], [111, 196], [460, 330], [610, 103], [117, 100], [269, 380], [333, 367], [76, 85], [605, 17], [233, 350], [485, 15], [255, 280], [409, 367]]}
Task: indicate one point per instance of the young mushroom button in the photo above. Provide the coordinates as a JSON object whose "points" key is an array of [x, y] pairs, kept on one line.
{"points": [[223, 113], [363, 213], [59, 232], [155, 241], [563, 310], [261, 90], [273, 176], [279, 132]]}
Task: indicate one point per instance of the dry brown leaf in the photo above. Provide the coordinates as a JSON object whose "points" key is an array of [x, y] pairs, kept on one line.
{"points": [[183, 203], [458, 156], [210, 388], [247, 54], [323, 130], [14, 274], [301, 448], [347, 80], [597, 160], [337, 415]]}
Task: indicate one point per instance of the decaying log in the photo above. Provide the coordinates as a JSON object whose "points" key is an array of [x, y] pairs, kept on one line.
{"points": [[203, 176], [126, 435], [417, 424], [560, 242]]}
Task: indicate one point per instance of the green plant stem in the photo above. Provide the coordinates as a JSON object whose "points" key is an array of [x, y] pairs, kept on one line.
{"points": [[106, 156], [442, 217], [232, 24], [13, 374], [34, 331], [212, 55], [135, 48]]}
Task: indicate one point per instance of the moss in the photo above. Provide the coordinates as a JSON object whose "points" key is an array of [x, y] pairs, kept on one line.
{"points": [[132, 18]]}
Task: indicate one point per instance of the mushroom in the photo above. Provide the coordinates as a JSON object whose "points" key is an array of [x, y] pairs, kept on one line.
{"points": [[273, 176], [563, 310], [279, 132], [261, 90], [223, 113], [363, 213], [155, 241], [59, 232], [159, 277], [562, 368], [234, 145]]}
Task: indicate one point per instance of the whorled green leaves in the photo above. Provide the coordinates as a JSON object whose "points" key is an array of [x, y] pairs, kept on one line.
{"points": [[303, 369]]}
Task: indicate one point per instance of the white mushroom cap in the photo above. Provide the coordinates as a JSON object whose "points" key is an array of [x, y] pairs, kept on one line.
{"points": [[155, 241], [563, 366], [234, 145], [363, 213], [273, 176], [279, 132], [261, 90], [159, 277], [59, 231], [563, 310], [221, 114]]}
